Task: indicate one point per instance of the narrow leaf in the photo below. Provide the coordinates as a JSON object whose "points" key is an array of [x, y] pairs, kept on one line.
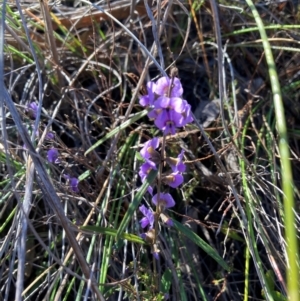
{"points": [[201, 243], [112, 232]]}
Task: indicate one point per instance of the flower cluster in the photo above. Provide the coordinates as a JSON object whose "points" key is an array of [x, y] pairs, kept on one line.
{"points": [[169, 111]]}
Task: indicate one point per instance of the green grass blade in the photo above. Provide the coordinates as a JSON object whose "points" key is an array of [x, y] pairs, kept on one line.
{"points": [[287, 180], [113, 233], [201, 243]]}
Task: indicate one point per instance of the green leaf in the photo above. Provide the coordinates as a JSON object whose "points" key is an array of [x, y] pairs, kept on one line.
{"points": [[112, 232], [201, 243], [136, 202]]}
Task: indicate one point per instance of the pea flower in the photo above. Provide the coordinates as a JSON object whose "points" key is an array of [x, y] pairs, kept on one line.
{"points": [[148, 218], [165, 200], [52, 156], [146, 168], [177, 164], [168, 121], [156, 255], [147, 100], [166, 220], [163, 84], [73, 182], [155, 113], [149, 149], [32, 108], [174, 103], [173, 180], [50, 136], [186, 113]]}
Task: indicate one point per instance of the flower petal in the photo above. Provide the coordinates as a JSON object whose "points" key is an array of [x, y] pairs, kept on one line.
{"points": [[148, 100], [149, 148], [163, 86], [52, 155], [148, 218], [165, 200]]}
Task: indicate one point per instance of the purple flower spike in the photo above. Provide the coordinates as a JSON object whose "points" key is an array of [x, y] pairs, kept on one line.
{"points": [[147, 100], [174, 180], [148, 218], [52, 156], [149, 148], [163, 86], [165, 200], [32, 109]]}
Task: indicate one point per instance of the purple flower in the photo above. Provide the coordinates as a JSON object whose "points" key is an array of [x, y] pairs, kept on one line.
{"points": [[149, 148], [149, 236], [173, 103], [32, 109], [143, 236], [166, 122], [177, 163], [147, 100], [156, 255], [52, 156], [186, 114], [50, 136], [146, 168], [173, 180], [167, 220], [73, 183], [150, 190], [148, 218], [163, 86], [154, 113], [165, 200]]}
